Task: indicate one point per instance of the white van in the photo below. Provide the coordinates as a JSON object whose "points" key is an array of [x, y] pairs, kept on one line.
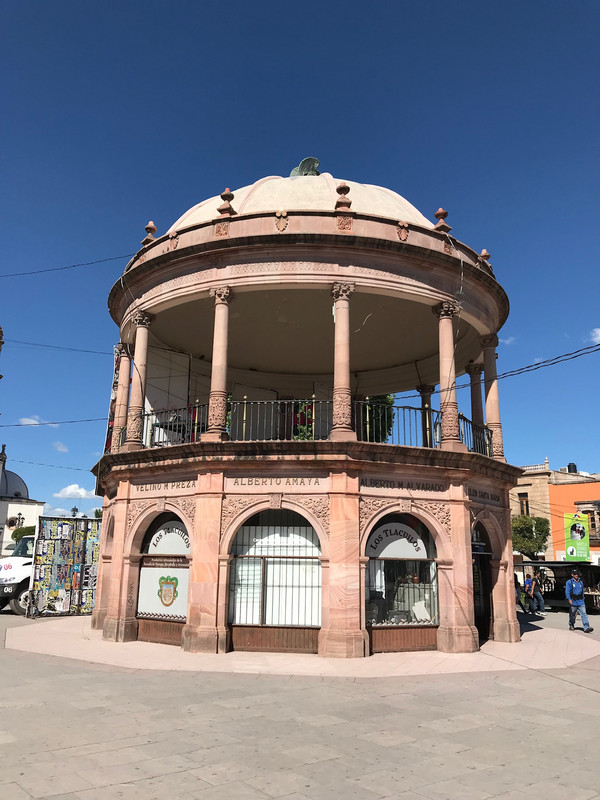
{"points": [[15, 576]]}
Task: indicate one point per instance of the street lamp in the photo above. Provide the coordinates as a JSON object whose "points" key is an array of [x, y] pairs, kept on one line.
{"points": [[20, 520]]}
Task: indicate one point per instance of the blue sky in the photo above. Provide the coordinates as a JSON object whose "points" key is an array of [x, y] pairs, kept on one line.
{"points": [[117, 113]]}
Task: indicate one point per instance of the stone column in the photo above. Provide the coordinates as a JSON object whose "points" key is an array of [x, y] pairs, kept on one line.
{"points": [[341, 635], [135, 419], [457, 632], [426, 390], [122, 400], [200, 634], [122, 626], [223, 629], [448, 405], [504, 613], [217, 403], [342, 397], [492, 402], [474, 372]]}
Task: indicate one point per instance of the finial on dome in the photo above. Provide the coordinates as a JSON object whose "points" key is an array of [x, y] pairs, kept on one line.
{"points": [[226, 209], [485, 255], [343, 202], [442, 225], [150, 231], [308, 166]]}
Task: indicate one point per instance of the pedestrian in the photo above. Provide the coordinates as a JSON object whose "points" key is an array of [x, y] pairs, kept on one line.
{"points": [[528, 593], [537, 593], [518, 594], [575, 595]]}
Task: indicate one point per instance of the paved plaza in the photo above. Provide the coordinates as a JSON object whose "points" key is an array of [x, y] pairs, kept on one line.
{"points": [[147, 721]]}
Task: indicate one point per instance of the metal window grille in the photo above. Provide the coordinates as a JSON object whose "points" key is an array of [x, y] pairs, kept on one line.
{"points": [[275, 575], [401, 592]]}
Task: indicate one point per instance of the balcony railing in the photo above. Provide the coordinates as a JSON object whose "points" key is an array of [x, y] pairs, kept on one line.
{"points": [[311, 420]]}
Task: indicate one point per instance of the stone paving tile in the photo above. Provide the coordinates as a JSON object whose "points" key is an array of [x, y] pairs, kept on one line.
{"points": [[12, 791], [232, 791], [548, 791], [451, 790]]}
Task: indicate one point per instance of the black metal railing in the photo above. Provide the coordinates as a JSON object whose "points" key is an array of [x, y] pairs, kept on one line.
{"points": [[312, 420]]}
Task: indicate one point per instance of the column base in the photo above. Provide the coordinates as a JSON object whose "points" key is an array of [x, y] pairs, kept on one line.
{"points": [[454, 445], [342, 435], [457, 639], [343, 644], [98, 617], [131, 447], [214, 436], [507, 630], [120, 630], [204, 640]]}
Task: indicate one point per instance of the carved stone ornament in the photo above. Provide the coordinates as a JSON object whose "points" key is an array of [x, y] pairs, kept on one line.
{"points": [[226, 209], [442, 225], [318, 507], [221, 294], [161, 504], [344, 222], [187, 505], [450, 427], [441, 512], [173, 241], [343, 201], [342, 410], [115, 445], [217, 411], [135, 425], [402, 231], [448, 249], [135, 509], [130, 596], [275, 500], [222, 228], [150, 231], [405, 505], [489, 341], [502, 518], [474, 370], [232, 506], [342, 291], [497, 442], [281, 220], [120, 350], [447, 308], [370, 506], [141, 319]]}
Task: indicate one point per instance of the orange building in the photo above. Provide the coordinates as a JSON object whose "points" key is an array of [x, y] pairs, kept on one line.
{"points": [[571, 498]]}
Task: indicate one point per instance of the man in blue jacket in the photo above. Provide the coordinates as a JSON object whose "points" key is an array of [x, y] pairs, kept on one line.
{"points": [[574, 593]]}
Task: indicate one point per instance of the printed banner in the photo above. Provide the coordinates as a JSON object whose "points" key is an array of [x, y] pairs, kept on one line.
{"points": [[163, 588], [577, 537]]}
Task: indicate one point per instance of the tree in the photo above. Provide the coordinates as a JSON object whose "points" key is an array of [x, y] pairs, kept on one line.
{"points": [[97, 513], [74, 511], [19, 533], [529, 535]]}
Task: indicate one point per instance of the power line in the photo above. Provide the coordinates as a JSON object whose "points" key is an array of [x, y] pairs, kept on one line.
{"points": [[62, 422], [57, 347], [54, 466], [69, 266]]}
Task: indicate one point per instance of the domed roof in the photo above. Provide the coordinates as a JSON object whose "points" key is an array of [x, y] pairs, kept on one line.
{"points": [[12, 485], [306, 193]]}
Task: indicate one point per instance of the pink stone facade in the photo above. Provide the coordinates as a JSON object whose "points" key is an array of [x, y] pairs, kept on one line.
{"points": [[257, 348]]}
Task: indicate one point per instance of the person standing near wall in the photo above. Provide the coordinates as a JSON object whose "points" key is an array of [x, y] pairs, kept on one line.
{"points": [[575, 595], [536, 593]]}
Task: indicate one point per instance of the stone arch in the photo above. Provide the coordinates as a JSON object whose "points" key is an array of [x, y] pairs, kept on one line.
{"points": [[228, 535], [439, 534], [140, 524], [493, 530]]}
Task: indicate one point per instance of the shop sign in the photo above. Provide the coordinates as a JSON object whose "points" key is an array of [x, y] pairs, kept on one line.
{"points": [[279, 483], [396, 540], [486, 496], [163, 588], [404, 484], [171, 537], [164, 486], [577, 537]]}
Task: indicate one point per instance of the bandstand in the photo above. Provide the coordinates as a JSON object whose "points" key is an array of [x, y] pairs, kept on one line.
{"points": [[287, 467]]}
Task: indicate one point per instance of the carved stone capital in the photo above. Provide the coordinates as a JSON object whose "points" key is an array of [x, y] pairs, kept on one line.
{"points": [[120, 350], [141, 319], [342, 291], [217, 410], [450, 428], [342, 409], [489, 341], [426, 390], [221, 294], [474, 371], [445, 309], [135, 425]]}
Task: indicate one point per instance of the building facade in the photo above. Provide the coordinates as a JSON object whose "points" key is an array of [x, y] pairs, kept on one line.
{"points": [[17, 509], [265, 486]]}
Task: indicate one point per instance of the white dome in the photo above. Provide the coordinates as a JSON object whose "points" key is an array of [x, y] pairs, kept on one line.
{"points": [[306, 193]]}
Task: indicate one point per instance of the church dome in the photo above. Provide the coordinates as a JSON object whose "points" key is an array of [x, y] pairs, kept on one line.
{"points": [[313, 192], [12, 485]]}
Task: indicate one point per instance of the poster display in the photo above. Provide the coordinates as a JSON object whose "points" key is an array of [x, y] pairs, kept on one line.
{"points": [[577, 537], [163, 588], [65, 565]]}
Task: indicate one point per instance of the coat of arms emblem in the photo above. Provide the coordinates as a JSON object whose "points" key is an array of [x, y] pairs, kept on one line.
{"points": [[168, 590]]}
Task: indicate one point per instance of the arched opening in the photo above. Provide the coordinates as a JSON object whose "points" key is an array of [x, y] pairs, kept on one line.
{"points": [[163, 586], [275, 584], [401, 592], [482, 581]]}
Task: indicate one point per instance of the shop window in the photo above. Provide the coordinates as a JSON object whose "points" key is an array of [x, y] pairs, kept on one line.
{"points": [[275, 575], [164, 572], [401, 575], [523, 504]]}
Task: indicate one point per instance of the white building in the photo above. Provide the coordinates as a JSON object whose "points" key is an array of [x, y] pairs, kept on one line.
{"points": [[17, 510]]}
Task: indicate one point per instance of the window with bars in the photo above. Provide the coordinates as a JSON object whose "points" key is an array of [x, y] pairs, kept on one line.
{"points": [[275, 575]]}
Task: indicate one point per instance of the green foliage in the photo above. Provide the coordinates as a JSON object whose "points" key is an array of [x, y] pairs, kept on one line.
{"points": [[378, 418], [530, 535], [97, 513], [303, 420], [19, 533]]}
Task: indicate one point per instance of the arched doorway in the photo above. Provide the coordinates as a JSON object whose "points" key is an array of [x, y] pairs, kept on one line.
{"points": [[401, 592], [482, 581], [163, 586], [275, 584]]}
